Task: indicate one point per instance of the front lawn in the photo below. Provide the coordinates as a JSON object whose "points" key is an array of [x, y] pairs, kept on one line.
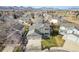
{"points": [[56, 41]]}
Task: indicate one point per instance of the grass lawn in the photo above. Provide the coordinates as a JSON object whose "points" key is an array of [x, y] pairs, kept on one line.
{"points": [[55, 39]]}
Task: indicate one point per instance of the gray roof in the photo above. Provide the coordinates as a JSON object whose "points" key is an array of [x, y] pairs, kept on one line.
{"points": [[36, 26], [68, 25], [77, 26], [33, 32], [18, 26]]}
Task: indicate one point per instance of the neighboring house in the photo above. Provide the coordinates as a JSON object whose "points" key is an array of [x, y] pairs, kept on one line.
{"points": [[47, 16], [37, 32], [69, 32], [33, 35], [38, 15], [45, 30], [18, 26], [6, 18], [66, 29], [76, 30], [41, 28], [26, 17], [54, 21]]}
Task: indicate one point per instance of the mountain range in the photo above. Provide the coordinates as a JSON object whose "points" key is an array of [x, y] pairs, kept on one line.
{"points": [[39, 8]]}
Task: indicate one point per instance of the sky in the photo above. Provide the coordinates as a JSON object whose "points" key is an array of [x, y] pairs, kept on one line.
{"points": [[62, 4], [39, 2]]}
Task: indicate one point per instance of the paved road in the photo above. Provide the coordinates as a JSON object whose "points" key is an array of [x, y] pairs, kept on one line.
{"points": [[9, 48]]}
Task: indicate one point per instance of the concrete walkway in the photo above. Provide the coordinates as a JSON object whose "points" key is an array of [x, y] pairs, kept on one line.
{"points": [[33, 45], [71, 46]]}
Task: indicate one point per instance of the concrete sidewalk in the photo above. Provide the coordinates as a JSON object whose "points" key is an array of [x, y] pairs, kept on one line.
{"points": [[71, 46]]}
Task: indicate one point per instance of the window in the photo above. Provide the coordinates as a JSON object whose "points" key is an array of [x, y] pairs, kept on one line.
{"points": [[46, 29]]}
